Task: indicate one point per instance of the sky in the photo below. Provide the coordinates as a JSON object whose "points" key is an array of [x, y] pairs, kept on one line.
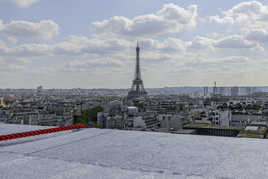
{"points": [[91, 44]]}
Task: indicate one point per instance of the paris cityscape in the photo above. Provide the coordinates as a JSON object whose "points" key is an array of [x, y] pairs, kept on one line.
{"points": [[155, 89], [218, 111]]}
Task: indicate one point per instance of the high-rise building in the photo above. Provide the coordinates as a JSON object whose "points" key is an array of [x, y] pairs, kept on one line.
{"points": [[205, 91], [215, 91], [234, 91], [222, 91], [253, 90], [248, 91], [137, 89], [245, 91]]}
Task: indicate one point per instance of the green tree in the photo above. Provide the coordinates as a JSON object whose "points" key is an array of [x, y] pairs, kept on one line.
{"points": [[89, 115], [254, 107]]}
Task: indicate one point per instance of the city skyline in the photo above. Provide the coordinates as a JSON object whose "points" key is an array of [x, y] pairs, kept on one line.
{"points": [[91, 44]]}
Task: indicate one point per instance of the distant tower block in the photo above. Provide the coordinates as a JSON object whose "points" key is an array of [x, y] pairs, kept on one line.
{"points": [[235, 91], [137, 89], [215, 89], [205, 91]]}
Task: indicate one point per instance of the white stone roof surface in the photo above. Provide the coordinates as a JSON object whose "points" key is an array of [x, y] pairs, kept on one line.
{"points": [[106, 154]]}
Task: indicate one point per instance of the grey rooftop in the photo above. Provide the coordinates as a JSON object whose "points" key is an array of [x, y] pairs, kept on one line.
{"points": [[105, 153]]}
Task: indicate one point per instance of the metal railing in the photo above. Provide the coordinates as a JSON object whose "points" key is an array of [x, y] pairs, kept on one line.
{"points": [[40, 132]]}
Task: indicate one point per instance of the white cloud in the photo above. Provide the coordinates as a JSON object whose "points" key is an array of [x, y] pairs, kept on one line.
{"points": [[248, 15], [1, 24], [225, 20], [228, 64], [93, 65], [78, 45], [235, 42], [3, 48], [75, 45], [201, 43], [81, 45], [250, 19], [30, 50], [207, 45], [170, 19], [45, 29], [21, 3], [259, 35], [169, 45]]}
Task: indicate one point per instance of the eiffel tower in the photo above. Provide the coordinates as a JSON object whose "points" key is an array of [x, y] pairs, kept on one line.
{"points": [[137, 89]]}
